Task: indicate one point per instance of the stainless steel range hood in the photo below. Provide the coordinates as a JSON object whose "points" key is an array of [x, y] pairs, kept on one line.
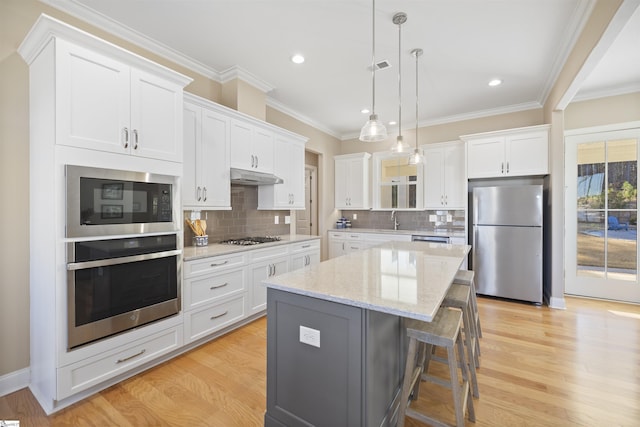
{"points": [[249, 177]]}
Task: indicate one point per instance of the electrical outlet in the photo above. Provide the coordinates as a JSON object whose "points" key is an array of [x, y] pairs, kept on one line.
{"points": [[432, 218], [194, 215], [355, 216], [276, 219], [449, 218], [309, 336], [287, 219]]}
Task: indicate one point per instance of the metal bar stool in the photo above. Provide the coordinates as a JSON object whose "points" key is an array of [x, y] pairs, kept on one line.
{"points": [[443, 331], [459, 296]]}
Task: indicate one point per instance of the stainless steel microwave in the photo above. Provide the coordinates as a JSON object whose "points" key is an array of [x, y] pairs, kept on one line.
{"points": [[107, 202]]}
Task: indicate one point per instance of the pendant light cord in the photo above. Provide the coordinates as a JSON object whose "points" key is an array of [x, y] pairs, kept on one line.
{"points": [[373, 60]]}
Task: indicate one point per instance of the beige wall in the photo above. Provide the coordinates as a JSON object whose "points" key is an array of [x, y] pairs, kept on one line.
{"points": [[603, 111]]}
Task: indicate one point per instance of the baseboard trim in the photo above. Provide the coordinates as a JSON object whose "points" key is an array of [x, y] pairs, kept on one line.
{"points": [[559, 303], [14, 381]]}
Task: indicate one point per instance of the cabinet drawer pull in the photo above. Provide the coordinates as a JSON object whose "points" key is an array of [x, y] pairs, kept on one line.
{"points": [[204, 193], [219, 286], [125, 131], [213, 264], [198, 194], [141, 352], [507, 167], [219, 315], [306, 246]]}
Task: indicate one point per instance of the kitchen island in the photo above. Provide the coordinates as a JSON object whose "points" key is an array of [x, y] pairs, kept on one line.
{"points": [[335, 336]]}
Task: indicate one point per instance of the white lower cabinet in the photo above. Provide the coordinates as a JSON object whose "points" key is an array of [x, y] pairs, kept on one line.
{"points": [[204, 321], [341, 243], [305, 254], [89, 372], [264, 264]]}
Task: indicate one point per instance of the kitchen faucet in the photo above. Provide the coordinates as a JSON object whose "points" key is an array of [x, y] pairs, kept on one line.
{"points": [[395, 220]]}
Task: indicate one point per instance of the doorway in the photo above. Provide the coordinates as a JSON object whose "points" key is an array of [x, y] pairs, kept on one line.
{"points": [[306, 220], [601, 214]]}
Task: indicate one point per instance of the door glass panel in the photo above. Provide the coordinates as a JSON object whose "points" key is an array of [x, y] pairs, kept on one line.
{"points": [[607, 239], [398, 183], [590, 208], [622, 201]]}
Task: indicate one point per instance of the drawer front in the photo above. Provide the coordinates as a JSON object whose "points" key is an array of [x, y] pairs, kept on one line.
{"points": [[207, 289], [262, 254], [201, 323], [310, 245], [210, 265], [87, 373]]}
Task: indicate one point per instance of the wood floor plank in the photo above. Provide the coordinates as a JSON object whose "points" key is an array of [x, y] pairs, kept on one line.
{"points": [[539, 367]]}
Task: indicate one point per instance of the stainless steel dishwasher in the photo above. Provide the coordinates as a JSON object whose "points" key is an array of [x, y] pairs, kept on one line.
{"points": [[436, 239]]}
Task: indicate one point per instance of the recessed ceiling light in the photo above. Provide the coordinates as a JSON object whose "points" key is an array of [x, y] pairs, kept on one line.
{"points": [[392, 123], [365, 111], [297, 59], [495, 82]]}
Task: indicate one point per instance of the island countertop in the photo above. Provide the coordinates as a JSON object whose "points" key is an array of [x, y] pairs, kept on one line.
{"points": [[407, 279]]}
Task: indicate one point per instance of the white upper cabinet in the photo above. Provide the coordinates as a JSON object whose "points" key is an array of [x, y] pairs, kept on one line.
{"points": [[445, 182], [251, 146], [205, 183], [352, 181], [104, 104], [514, 152], [288, 164]]}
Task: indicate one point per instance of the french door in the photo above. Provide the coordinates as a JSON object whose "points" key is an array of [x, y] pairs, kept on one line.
{"points": [[601, 215]]}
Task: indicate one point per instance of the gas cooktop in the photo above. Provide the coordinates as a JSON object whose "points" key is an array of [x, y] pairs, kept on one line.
{"points": [[246, 241]]}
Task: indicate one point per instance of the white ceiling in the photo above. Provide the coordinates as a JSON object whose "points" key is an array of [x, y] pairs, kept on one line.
{"points": [[466, 43]]}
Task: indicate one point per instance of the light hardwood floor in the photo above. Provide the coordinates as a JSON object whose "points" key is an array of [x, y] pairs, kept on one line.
{"points": [[539, 367]]}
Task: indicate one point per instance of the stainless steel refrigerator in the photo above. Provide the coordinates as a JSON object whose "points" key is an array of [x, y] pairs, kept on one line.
{"points": [[507, 244]]}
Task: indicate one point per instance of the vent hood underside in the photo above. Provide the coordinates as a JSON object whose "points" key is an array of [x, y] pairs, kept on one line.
{"points": [[249, 177]]}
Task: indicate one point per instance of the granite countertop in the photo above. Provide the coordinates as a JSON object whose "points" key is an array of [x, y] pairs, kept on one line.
{"points": [[451, 232], [215, 249], [407, 279]]}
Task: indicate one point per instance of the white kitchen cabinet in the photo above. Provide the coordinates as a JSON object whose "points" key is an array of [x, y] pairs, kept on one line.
{"points": [[352, 181], [251, 146], [264, 263], [104, 104], [514, 152], [84, 92], [288, 164], [445, 182], [341, 243], [206, 183], [305, 254]]}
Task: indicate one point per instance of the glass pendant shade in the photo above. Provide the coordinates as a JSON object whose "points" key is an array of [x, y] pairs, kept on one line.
{"points": [[373, 130], [416, 158], [399, 146]]}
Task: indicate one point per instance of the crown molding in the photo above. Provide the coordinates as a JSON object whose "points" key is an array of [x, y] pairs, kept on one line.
{"points": [[277, 105], [80, 11], [237, 72], [605, 93]]}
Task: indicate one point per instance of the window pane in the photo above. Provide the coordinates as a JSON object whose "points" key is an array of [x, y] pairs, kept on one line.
{"points": [[622, 246], [590, 244], [591, 170], [622, 164]]}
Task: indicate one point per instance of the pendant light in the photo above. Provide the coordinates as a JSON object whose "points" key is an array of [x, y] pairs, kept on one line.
{"points": [[399, 146], [373, 130], [416, 157]]}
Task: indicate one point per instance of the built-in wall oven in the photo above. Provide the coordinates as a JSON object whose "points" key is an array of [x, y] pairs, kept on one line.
{"points": [[124, 251]]}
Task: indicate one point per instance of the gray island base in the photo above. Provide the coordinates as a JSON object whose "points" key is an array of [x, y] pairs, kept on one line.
{"points": [[335, 335]]}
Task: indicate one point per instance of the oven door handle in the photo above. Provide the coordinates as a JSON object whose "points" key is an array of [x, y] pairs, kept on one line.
{"points": [[121, 260]]}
